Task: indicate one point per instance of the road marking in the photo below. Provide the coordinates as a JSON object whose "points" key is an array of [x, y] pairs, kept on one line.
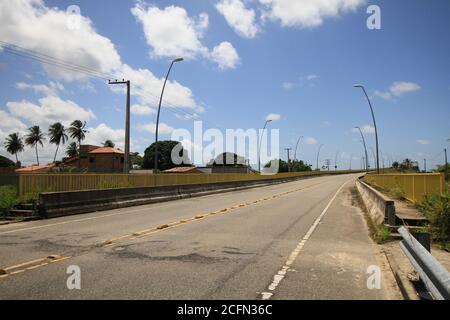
{"points": [[279, 276], [31, 265]]}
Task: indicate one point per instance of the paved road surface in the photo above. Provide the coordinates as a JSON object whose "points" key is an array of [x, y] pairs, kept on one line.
{"points": [[298, 240]]}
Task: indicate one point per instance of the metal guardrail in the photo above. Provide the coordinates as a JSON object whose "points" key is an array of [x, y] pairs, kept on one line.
{"points": [[435, 277]]}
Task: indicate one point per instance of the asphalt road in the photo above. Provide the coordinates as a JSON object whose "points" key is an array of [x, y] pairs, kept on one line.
{"points": [[298, 240]]}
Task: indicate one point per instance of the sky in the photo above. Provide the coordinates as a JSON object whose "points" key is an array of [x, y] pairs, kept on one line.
{"points": [[293, 61]]}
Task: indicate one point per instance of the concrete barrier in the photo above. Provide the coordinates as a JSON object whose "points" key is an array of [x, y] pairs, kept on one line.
{"points": [[57, 204], [381, 209]]}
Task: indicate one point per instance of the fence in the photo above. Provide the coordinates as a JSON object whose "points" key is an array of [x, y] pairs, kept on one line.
{"points": [[414, 186], [33, 184]]}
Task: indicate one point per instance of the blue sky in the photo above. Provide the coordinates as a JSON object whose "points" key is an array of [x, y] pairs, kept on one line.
{"points": [[296, 59]]}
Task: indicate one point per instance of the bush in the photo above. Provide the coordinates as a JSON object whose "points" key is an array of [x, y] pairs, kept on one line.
{"points": [[8, 198], [436, 208]]}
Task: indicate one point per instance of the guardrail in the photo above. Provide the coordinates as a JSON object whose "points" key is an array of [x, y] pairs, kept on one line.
{"points": [[435, 277], [414, 186], [33, 184]]}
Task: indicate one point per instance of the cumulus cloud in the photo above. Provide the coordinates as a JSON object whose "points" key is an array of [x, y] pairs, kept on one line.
{"points": [[288, 85], [171, 32], [365, 129], [141, 110], [423, 141], [49, 110], [273, 117], [151, 127], [306, 13], [28, 23], [238, 17], [53, 88], [398, 89], [225, 56], [310, 140]]}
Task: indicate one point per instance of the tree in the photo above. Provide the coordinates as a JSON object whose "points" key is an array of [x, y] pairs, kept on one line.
{"points": [[227, 159], [57, 134], [109, 143], [14, 145], [395, 165], [165, 160], [409, 165], [77, 131], [34, 138], [72, 150], [5, 162], [136, 160], [296, 166]]}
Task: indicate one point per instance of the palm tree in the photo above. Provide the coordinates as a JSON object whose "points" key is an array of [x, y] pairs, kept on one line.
{"points": [[77, 131], [57, 134], [34, 138], [72, 150], [109, 143], [14, 145]]}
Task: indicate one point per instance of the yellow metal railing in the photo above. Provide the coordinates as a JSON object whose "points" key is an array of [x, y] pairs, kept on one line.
{"points": [[414, 186], [33, 184]]}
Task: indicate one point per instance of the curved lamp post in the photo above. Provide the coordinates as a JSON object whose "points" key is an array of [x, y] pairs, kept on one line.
{"points": [[260, 143], [296, 147], [318, 153], [374, 123], [365, 148], [159, 111]]}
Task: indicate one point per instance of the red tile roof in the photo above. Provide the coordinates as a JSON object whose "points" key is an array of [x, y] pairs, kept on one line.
{"points": [[183, 170], [106, 150], [36, 169]]}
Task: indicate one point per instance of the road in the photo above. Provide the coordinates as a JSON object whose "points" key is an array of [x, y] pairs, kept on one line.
{"points": [[298, 240]]}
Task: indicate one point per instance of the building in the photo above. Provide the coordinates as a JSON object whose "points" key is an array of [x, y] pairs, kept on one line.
{"points": [[98, 159], [36, 169], [183, 170]]}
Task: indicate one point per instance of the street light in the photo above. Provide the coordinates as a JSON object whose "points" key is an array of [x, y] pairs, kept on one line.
{"points": [[260, 142], [374, 123], [159, 111], [318, 152], [296, 146], [365, 148]]}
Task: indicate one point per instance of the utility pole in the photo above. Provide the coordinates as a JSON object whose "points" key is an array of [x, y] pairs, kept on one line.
{"points": [[260, 144], [289, 159], [335, 161], [126, 164]]}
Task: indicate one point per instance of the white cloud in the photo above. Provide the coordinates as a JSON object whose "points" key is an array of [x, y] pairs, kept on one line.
{"points": [[225, 56], [306, 13], [397, 89], [310, 140], [49, 110], [368, 129], [238, 17], [288, 85], [141, 110], [171, 32], [311, 77], [423, 141], [151, 127], [273, 117], [10, 124], [193, 116], [101, 133], [30, 24], [51, 89]]}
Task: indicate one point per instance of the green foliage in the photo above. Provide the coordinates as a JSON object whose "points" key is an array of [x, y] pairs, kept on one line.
{"points": [[14, 144], [72, 150], [436, 208], [396, 192], [8, 198], [109, 143], [296, 166], [5, 162], [136, 160], [383, 234], [164, 155]]}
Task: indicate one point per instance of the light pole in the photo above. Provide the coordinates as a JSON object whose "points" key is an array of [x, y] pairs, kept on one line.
{"points": [[365, 147], [335, 161], [318, 153], [296, 147], [159, 111], [260, 143], [351, 158], [374, 123]]}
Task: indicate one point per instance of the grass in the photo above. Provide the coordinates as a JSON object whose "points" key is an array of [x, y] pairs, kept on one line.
{"points": [[8, 198], [436, 208]]}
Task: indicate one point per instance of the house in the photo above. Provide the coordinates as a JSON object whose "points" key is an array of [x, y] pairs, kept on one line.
{"points": [[183, 170], [228, 162], [98, 159]]}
